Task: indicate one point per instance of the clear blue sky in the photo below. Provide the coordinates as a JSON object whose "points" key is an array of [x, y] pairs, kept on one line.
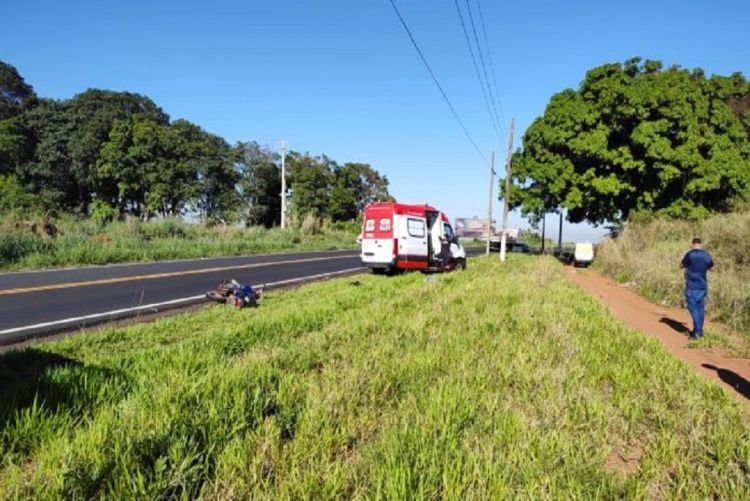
{"points": [[340, 77]]}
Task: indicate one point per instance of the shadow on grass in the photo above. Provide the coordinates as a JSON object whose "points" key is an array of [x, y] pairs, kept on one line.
{"points": [[737, 382], [53, 380], [675, 325]]}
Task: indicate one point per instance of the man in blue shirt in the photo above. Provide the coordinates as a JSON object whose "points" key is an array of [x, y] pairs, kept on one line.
{"points": [[696, 263]]}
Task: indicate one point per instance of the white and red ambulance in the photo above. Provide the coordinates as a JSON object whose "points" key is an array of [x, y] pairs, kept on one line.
{"points": [[399, 236]]}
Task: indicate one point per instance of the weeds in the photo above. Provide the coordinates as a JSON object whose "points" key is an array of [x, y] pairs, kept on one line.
{"points": [[496, 382], [88, 242], [647, 255]]}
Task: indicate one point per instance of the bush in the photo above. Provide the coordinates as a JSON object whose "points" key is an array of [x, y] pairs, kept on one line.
{"points": [[16, 245]]}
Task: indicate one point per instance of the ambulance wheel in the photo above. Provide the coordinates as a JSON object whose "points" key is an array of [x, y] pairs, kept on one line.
{"points": [[378, 271], [461, 264]]}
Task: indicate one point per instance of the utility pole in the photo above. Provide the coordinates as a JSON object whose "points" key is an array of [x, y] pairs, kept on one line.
{"points": [[559, 233], [489, 203], [506, 198], [544, 224], [282, 145]]}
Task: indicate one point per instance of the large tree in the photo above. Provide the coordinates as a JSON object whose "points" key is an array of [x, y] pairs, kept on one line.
{"points": [[214, 161], [355, 185], [147, 168], [67, 137], [636, 137], [15, 94], [310, 183], [260, 184]]}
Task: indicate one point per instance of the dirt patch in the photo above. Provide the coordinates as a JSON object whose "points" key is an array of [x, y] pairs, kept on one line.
{"points": [[671, 326], [624, 459]]}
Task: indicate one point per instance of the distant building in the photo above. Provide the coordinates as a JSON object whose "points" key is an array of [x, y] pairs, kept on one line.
{"points": [[473, 227]]}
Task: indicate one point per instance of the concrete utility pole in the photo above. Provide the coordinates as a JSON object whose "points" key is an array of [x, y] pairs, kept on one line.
{"points": [[544, 224], [282, 146], [506, 198], [489, 204], [559, 233]]}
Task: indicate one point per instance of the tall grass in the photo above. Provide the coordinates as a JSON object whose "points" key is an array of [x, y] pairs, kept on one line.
{"points": [[648, 255], [86, 242], [497, 382]]}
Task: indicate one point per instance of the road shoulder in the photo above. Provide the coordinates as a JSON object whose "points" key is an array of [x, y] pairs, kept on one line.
{"points": [[670, 327]]}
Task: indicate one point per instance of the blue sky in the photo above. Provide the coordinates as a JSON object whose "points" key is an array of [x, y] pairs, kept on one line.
{"points": [[340, 77]]}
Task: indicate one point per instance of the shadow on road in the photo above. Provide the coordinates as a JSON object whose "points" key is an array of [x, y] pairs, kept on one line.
{"points": [[737, 382], [675, 325]]}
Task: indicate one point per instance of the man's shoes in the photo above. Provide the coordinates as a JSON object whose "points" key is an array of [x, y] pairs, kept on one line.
{"points": [[694, 336]]}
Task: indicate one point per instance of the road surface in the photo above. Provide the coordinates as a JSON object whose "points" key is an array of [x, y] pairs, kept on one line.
{"points": [[44, 302]]}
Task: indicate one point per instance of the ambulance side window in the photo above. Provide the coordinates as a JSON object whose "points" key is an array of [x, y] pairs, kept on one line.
{"points": [[448, 231], [415, 227]]}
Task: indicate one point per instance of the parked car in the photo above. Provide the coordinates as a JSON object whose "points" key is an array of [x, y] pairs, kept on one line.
{"points": [[583, 254], [517, 247], [510, 246]]}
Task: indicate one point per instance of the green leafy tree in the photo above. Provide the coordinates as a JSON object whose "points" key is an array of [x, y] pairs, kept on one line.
{"points": [[355, 185], [260, 184], [67, 137], [16, 144], [310, 183], [636, 137], [15, 94], [13, 196], [214, 161], [152, 167]]}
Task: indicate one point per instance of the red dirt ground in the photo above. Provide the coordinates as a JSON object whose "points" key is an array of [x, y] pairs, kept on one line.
{"points": [[671, 327]]}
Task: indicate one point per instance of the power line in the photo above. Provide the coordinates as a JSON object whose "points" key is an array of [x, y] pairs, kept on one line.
{"points": [[479, 76], [489, 56], [437, 83], [481, 60]]}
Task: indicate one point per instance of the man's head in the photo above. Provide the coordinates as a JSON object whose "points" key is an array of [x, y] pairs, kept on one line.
{"points": [[697, 243]]}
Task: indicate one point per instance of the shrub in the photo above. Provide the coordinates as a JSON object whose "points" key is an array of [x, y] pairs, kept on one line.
{"points": [[15, 245]]}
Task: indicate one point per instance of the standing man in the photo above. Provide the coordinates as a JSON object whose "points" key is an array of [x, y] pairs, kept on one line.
{"points": [[696, 263]]}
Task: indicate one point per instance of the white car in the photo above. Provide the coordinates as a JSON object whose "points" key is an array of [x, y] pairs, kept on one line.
{"points": [[583, 254]]}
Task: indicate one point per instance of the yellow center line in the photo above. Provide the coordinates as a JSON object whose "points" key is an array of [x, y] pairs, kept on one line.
{"points": [[103, 281]]}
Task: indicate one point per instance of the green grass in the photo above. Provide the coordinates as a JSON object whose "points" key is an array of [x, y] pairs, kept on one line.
{"points": [[85, 242], [497, 382]]}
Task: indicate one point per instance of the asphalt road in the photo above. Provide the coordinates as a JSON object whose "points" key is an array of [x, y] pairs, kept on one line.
{"points": [[45, 302]]}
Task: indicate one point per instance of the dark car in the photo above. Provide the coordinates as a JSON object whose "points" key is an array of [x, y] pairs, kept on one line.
{"points": [[517, 247], [510, 246]]}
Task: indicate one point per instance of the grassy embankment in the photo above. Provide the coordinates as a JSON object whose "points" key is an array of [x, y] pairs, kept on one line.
{"points": [[493, 382], [647, 255], [86, 242]]}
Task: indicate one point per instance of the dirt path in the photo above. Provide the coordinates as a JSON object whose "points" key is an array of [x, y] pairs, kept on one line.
{"points": [[671, 327]]}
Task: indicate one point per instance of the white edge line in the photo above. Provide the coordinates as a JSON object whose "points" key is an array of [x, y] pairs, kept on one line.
{"points": [[155, 306]]}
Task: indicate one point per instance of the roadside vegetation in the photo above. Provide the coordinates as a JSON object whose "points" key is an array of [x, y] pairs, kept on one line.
{"points": [[25, 245], [115, 174], [647, 256], [500, 381]]}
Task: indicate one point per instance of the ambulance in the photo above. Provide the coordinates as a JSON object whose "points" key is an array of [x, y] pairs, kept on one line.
{"points": [[398, 236]]}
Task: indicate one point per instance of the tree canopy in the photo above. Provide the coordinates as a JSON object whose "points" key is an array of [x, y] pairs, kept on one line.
{"points": [[15, 94], [111, 154], [635, 137]]}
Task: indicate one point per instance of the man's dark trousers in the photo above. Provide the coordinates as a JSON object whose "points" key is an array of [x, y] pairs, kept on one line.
{"points": [[696, 303]]}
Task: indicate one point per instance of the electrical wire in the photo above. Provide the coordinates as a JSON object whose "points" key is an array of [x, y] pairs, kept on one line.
{"points": [[493, 118], [481, 60], [489, 57], [437, 83]]}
